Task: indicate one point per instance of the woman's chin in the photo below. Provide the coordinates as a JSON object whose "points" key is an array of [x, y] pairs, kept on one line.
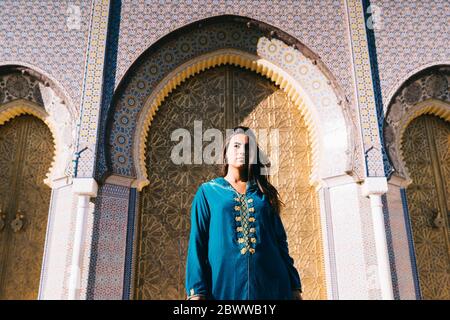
{"points": [[238, 165]]}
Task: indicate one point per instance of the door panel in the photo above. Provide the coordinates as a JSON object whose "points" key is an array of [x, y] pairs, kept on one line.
{"points": [[29, 149], [426, 151], [222, 97]]}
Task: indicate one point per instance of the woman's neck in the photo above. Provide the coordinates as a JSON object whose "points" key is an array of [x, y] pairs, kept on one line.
{"points": [[237, 174]]}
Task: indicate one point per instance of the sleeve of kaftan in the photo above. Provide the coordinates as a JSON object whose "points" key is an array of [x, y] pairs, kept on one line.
{"points": [[283, 245], [197, 266]]}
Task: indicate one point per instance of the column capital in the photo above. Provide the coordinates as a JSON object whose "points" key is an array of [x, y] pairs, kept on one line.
{"points": [[374, 186], [399, 181], [85, 186], [336, 181]]}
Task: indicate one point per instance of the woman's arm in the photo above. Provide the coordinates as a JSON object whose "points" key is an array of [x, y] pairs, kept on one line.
{"points": [[197, 266], [283, 245]]}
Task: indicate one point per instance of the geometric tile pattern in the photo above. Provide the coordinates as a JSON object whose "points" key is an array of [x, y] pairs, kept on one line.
{"points": [[413, 36], [390, 246], [365, 92], [418, 294], [92, 88], [49, 37], [319, 27], [108, 243], [369, 252]]}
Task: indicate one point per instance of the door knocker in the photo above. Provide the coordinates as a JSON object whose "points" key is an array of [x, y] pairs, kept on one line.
{"points": [[18, 222], [438, 221]]}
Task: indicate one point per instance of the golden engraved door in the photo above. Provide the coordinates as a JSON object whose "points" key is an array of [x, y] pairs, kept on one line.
{"points": [[426, 148], [26, 152], [221, 98]]}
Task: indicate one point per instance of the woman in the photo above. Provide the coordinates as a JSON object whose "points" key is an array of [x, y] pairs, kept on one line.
{"points": [[238, 248]]}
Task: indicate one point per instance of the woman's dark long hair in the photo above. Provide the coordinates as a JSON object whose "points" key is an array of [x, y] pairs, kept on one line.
{"points": [[255, 166]]}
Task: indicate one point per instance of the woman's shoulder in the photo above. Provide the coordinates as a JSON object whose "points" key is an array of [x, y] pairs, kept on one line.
{"points": [[217, 182]]}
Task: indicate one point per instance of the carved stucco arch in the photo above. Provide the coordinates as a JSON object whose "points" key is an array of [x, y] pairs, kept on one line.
{"points": [[53, 108], [394, 91], [43, 77], [297, 70], [424, 93], [435, 107]]}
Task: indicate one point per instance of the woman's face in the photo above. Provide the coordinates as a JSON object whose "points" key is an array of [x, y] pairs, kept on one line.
{"points": [[237, 151]]}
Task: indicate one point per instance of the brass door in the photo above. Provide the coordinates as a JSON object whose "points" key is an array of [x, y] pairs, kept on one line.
{"points": [[426, 148], [26, 152], [222, 97]]}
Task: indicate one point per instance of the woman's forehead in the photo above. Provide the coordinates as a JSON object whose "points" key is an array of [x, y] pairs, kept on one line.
{"points": [[239, 138]]}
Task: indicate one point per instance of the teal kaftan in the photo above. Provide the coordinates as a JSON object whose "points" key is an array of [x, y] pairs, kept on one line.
{"points": [[237, 247]]}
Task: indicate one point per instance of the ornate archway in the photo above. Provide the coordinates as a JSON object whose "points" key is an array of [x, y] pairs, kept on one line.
{"points": [[183, 57], [424, 93], [417, 134], [242, 42], [221, 98], [25, 91], [36, 123], [426, 152], [26, 153]]}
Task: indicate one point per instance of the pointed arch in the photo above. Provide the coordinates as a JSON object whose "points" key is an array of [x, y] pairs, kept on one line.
{"points": [[425, 92], [287, 62], [48, 102]]}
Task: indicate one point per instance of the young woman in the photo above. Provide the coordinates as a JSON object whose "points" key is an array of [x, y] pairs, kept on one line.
{"points": [[238, 248]]}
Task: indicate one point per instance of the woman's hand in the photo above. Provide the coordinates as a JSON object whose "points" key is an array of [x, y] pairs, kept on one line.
{"points": [[296, 295], [199, 297]]}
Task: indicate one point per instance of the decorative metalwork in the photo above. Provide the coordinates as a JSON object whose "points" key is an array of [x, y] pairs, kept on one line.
{"points": [[438, 220], [26, 152], [247, 235], [222, 97], [426, 147], [18, 222]]}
